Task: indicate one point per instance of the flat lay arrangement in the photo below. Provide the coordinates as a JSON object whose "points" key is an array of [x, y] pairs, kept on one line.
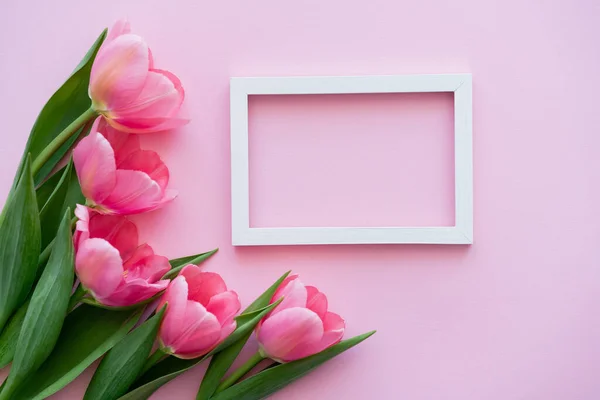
{"points": [[77, 285]]}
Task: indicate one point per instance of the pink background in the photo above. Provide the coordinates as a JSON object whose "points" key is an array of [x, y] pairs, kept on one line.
{"points": [[352, 160], [516, 315]]}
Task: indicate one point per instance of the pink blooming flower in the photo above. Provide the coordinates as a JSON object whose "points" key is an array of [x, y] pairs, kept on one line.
{"points": [[110, 264], [128, 91], [300, 326], [200, 313], [117, 176]]}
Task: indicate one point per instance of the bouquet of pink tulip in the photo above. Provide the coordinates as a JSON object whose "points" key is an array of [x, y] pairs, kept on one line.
{"points": [[76, 285]]}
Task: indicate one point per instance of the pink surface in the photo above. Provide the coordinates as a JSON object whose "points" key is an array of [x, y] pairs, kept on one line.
{"points": [[514, 316], [352, 160]]}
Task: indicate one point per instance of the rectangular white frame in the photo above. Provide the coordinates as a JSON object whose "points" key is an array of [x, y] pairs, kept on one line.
{"points": [[460, 84]]}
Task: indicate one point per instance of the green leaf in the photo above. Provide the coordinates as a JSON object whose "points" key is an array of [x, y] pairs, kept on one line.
{"points": [[172, 367], [124, 362], [177, 264], [54, 208], [221, 362], [71, 198], [271, 380], [74, 195], [65, 105], [19, 245], [10, 335], [43, 191], [47, 310], [93, 302], [88, 333], [218, 367]]}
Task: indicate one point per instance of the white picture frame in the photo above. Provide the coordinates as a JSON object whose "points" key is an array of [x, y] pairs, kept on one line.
{"points": [[460, 233]]}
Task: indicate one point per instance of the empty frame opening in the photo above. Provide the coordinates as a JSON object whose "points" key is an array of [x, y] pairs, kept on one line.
{"points": [[350, 160]]}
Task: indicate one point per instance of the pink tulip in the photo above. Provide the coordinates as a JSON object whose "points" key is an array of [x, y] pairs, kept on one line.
{"points": [[300, 326], [200, 313], [128, 91], [116, 176], [110, 264]]}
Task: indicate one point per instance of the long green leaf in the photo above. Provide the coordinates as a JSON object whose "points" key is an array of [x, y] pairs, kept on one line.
{"points": [[65, 105], [10, 335], [124, 362], [271, 380], [218, 367], [51, 212], [66, 193], [221, 362], [43, 191], [172, 367], [47, 310], [73, 195], [177, 264], [88, 333], [19, 245]]}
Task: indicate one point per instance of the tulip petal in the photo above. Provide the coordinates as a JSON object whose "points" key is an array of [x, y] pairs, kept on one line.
{"points": [[133, 292], [157, 107], [316, 301], [118, 73], [294, 295], [334, 331], [94, 161], [202, 285], [123, 144], [224, 306], [140, 253], [143, 264], [99, 267], [120, 232], [288, 331], [161, 96], [83, 215], [174, 80], [150, 59], [82, 231], [283, 284], [201, 334], [121, 27], [147, 161], [134, 192], [333, 323], [227, 330], [147, 125], [168, 197], [157, 267], [173, 322]]}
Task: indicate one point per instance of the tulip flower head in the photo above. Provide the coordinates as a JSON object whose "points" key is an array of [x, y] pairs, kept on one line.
{"points": [[200, 313], [110, 264], [117, 176], [128, 91], [300, 326]]}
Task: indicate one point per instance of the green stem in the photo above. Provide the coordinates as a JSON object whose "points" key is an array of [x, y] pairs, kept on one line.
{"points": [[77, 295], [59, 140], [240, 372], [157, 356]]}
